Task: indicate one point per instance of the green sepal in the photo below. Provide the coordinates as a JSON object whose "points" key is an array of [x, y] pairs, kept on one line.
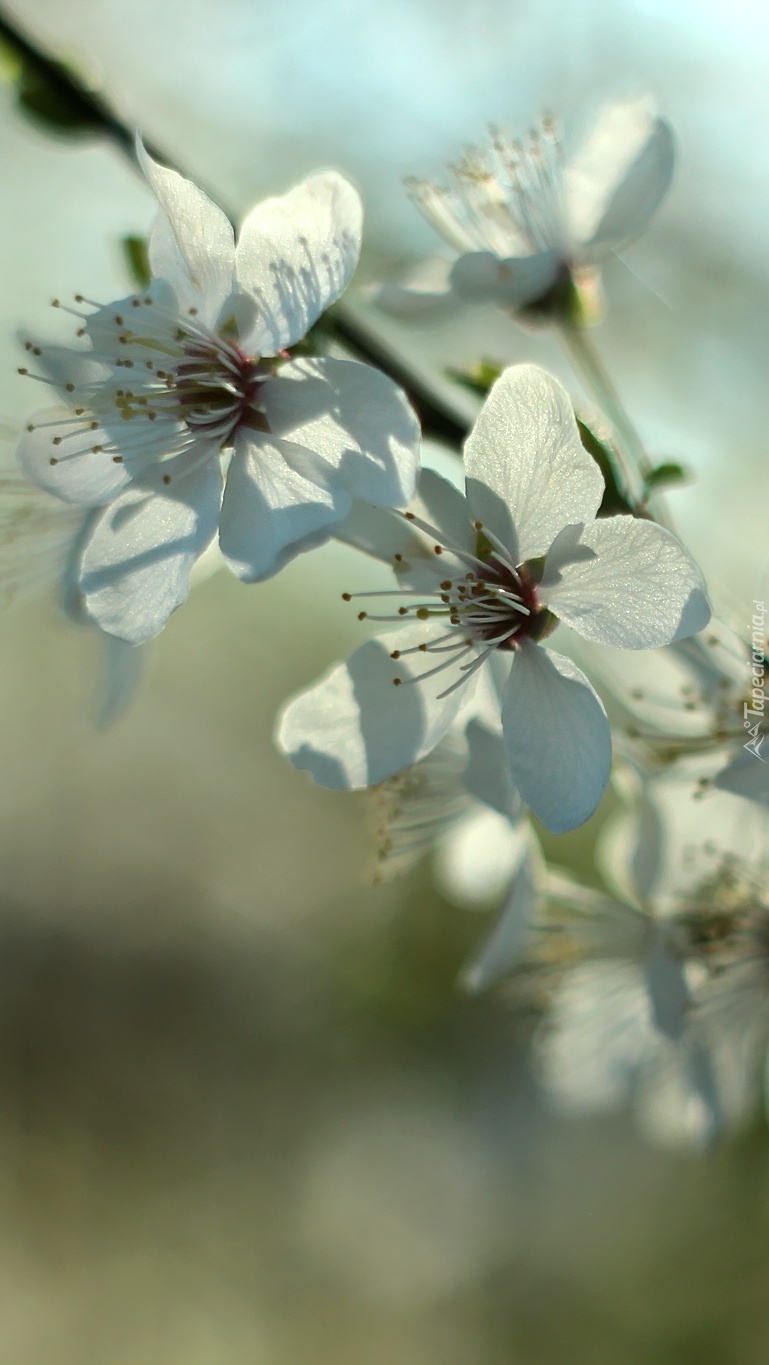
{"points": [[664, 476], [478, 378], [136, 256]]}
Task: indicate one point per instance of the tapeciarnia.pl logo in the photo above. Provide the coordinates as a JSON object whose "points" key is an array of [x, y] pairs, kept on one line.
{"points": [[753, 709]]}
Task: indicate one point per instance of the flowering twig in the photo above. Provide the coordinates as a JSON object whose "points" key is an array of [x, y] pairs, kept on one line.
{"points": [[84, 108]]}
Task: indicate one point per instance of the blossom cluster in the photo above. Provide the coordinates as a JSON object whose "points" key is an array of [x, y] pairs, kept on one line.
{"points": [[531, 640]]}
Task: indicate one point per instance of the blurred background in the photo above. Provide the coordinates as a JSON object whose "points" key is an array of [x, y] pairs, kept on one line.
{"points": [[245, 1115]]}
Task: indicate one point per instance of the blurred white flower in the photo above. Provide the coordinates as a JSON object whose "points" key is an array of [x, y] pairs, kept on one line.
{"points": [[460, 804], [415, 809], [697, 697], [194, 373], [40, 541], [526, 223], [493, 575], [37, 535], [663, 999]]}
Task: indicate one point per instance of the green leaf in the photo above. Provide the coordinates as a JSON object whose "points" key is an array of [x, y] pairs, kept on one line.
{"points": [[53, 102], [137, 259], [11, 63], [614, 500], [663, 476], [478, 378], [51, 92]]}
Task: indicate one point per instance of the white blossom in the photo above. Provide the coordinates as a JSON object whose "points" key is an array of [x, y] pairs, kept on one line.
{"points": [[524, 220], [184, 414], [40, 543], [702, 696], [460, 804], [482, 580], [664, 1000]]}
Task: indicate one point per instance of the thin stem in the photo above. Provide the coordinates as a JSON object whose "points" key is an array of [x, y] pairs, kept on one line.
{"points": [[631, 455], [437, 418]]}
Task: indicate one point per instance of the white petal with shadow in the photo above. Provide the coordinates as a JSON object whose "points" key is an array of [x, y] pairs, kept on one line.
{"points": [[487, 775], [296, 254], [278, 501], [481, 277], [422, 294], [596, 1036], [557, 737], [192, 245], [355, 728], [355, 418], [135, 568], [505, 943], [122, 672], [625, 582], [747, 775], [621, 174], [385, 535], [528, 474], [666, 984], [69, 459]]}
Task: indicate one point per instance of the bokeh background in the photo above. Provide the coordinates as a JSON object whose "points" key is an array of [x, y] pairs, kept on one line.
{"points": [[245, 1115]]}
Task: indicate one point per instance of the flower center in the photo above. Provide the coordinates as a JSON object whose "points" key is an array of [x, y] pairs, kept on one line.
{"points": [[215, 388], [726, 923], [489, 603], [183, 371], [502, 197], [412, 808], [501, 607], [163, 385]]}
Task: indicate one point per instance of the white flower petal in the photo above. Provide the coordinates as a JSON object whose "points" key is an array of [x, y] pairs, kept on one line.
{"points": [[445, 214], [441, 504], [625, 582], [748, 776], [666, 984], [123, 668], [481, 277], [72, 369], [621, 174], [410, 552], [557, 736], [656, 686], [477, 858], [354, 417], [69, 460], [487, 775], [296, 254], [596, 1036], [528, 474], [194, 248], [629, 849], [39, 536], [685, 819], [136, 565], [376, 532], [680, 1101], [388, 537], [424, 292], [271, 510], [354, 728], [503, 947]]}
